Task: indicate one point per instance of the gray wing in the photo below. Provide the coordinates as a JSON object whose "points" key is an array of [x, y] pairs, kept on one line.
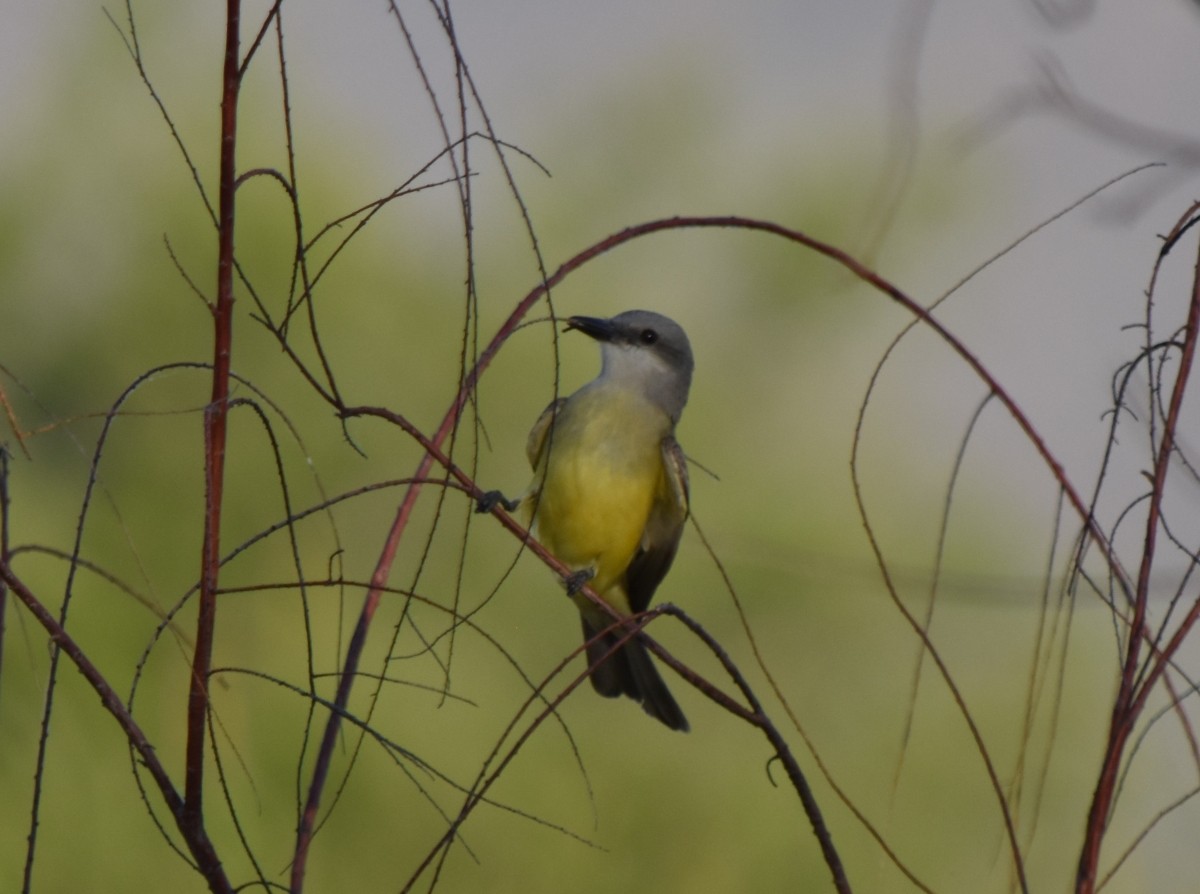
{"points": [[535, 448], [660, 540], [536, 442]]}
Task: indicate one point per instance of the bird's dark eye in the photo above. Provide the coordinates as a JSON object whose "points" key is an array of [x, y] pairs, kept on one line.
{"points": [[648, 336]]}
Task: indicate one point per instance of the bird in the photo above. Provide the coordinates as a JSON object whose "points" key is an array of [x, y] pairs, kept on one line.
{"points": [[609, 496]]}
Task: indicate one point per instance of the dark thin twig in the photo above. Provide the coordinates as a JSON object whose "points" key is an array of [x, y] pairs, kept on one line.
{"points": [[1131, 697], [450, 420], [197, 839]]}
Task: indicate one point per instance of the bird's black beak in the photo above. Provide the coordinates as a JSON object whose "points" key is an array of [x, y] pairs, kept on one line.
{"points": [[601, 330]]}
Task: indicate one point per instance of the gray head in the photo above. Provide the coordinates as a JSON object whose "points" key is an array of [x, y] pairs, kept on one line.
{"points": [[645, 350]]}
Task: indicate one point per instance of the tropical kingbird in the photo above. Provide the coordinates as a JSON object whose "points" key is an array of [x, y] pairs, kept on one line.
{"points": [[610, 491]]}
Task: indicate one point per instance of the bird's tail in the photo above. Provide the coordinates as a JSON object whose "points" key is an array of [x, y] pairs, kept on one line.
{"points": [[630, 671]]}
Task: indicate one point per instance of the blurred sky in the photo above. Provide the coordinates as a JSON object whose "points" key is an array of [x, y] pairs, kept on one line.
{"points": [[872, 81], [804, 70]]}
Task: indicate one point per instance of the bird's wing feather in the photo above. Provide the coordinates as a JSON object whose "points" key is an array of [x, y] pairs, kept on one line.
{"points": [[663, 530], [536, 442]]}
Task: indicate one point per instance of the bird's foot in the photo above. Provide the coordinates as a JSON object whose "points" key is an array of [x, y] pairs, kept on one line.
{"points": [[577, 580], [494, 498]]}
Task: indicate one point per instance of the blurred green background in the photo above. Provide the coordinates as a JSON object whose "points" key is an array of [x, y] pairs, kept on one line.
{"points": [[638, 114]]}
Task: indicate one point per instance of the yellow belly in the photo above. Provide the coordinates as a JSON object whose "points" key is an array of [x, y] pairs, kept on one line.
{"points": [[602, 473]]}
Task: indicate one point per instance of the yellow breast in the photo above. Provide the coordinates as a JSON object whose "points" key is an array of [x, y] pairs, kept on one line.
{"points": [[601, 474]]}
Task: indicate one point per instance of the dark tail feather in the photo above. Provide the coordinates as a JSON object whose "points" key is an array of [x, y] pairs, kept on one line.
{"points": [[630, 671]]}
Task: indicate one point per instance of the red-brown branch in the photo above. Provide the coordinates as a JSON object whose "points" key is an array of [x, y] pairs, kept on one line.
{"points": [[215, 425], [196, 838], [453, 414], [1132, 695]]}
